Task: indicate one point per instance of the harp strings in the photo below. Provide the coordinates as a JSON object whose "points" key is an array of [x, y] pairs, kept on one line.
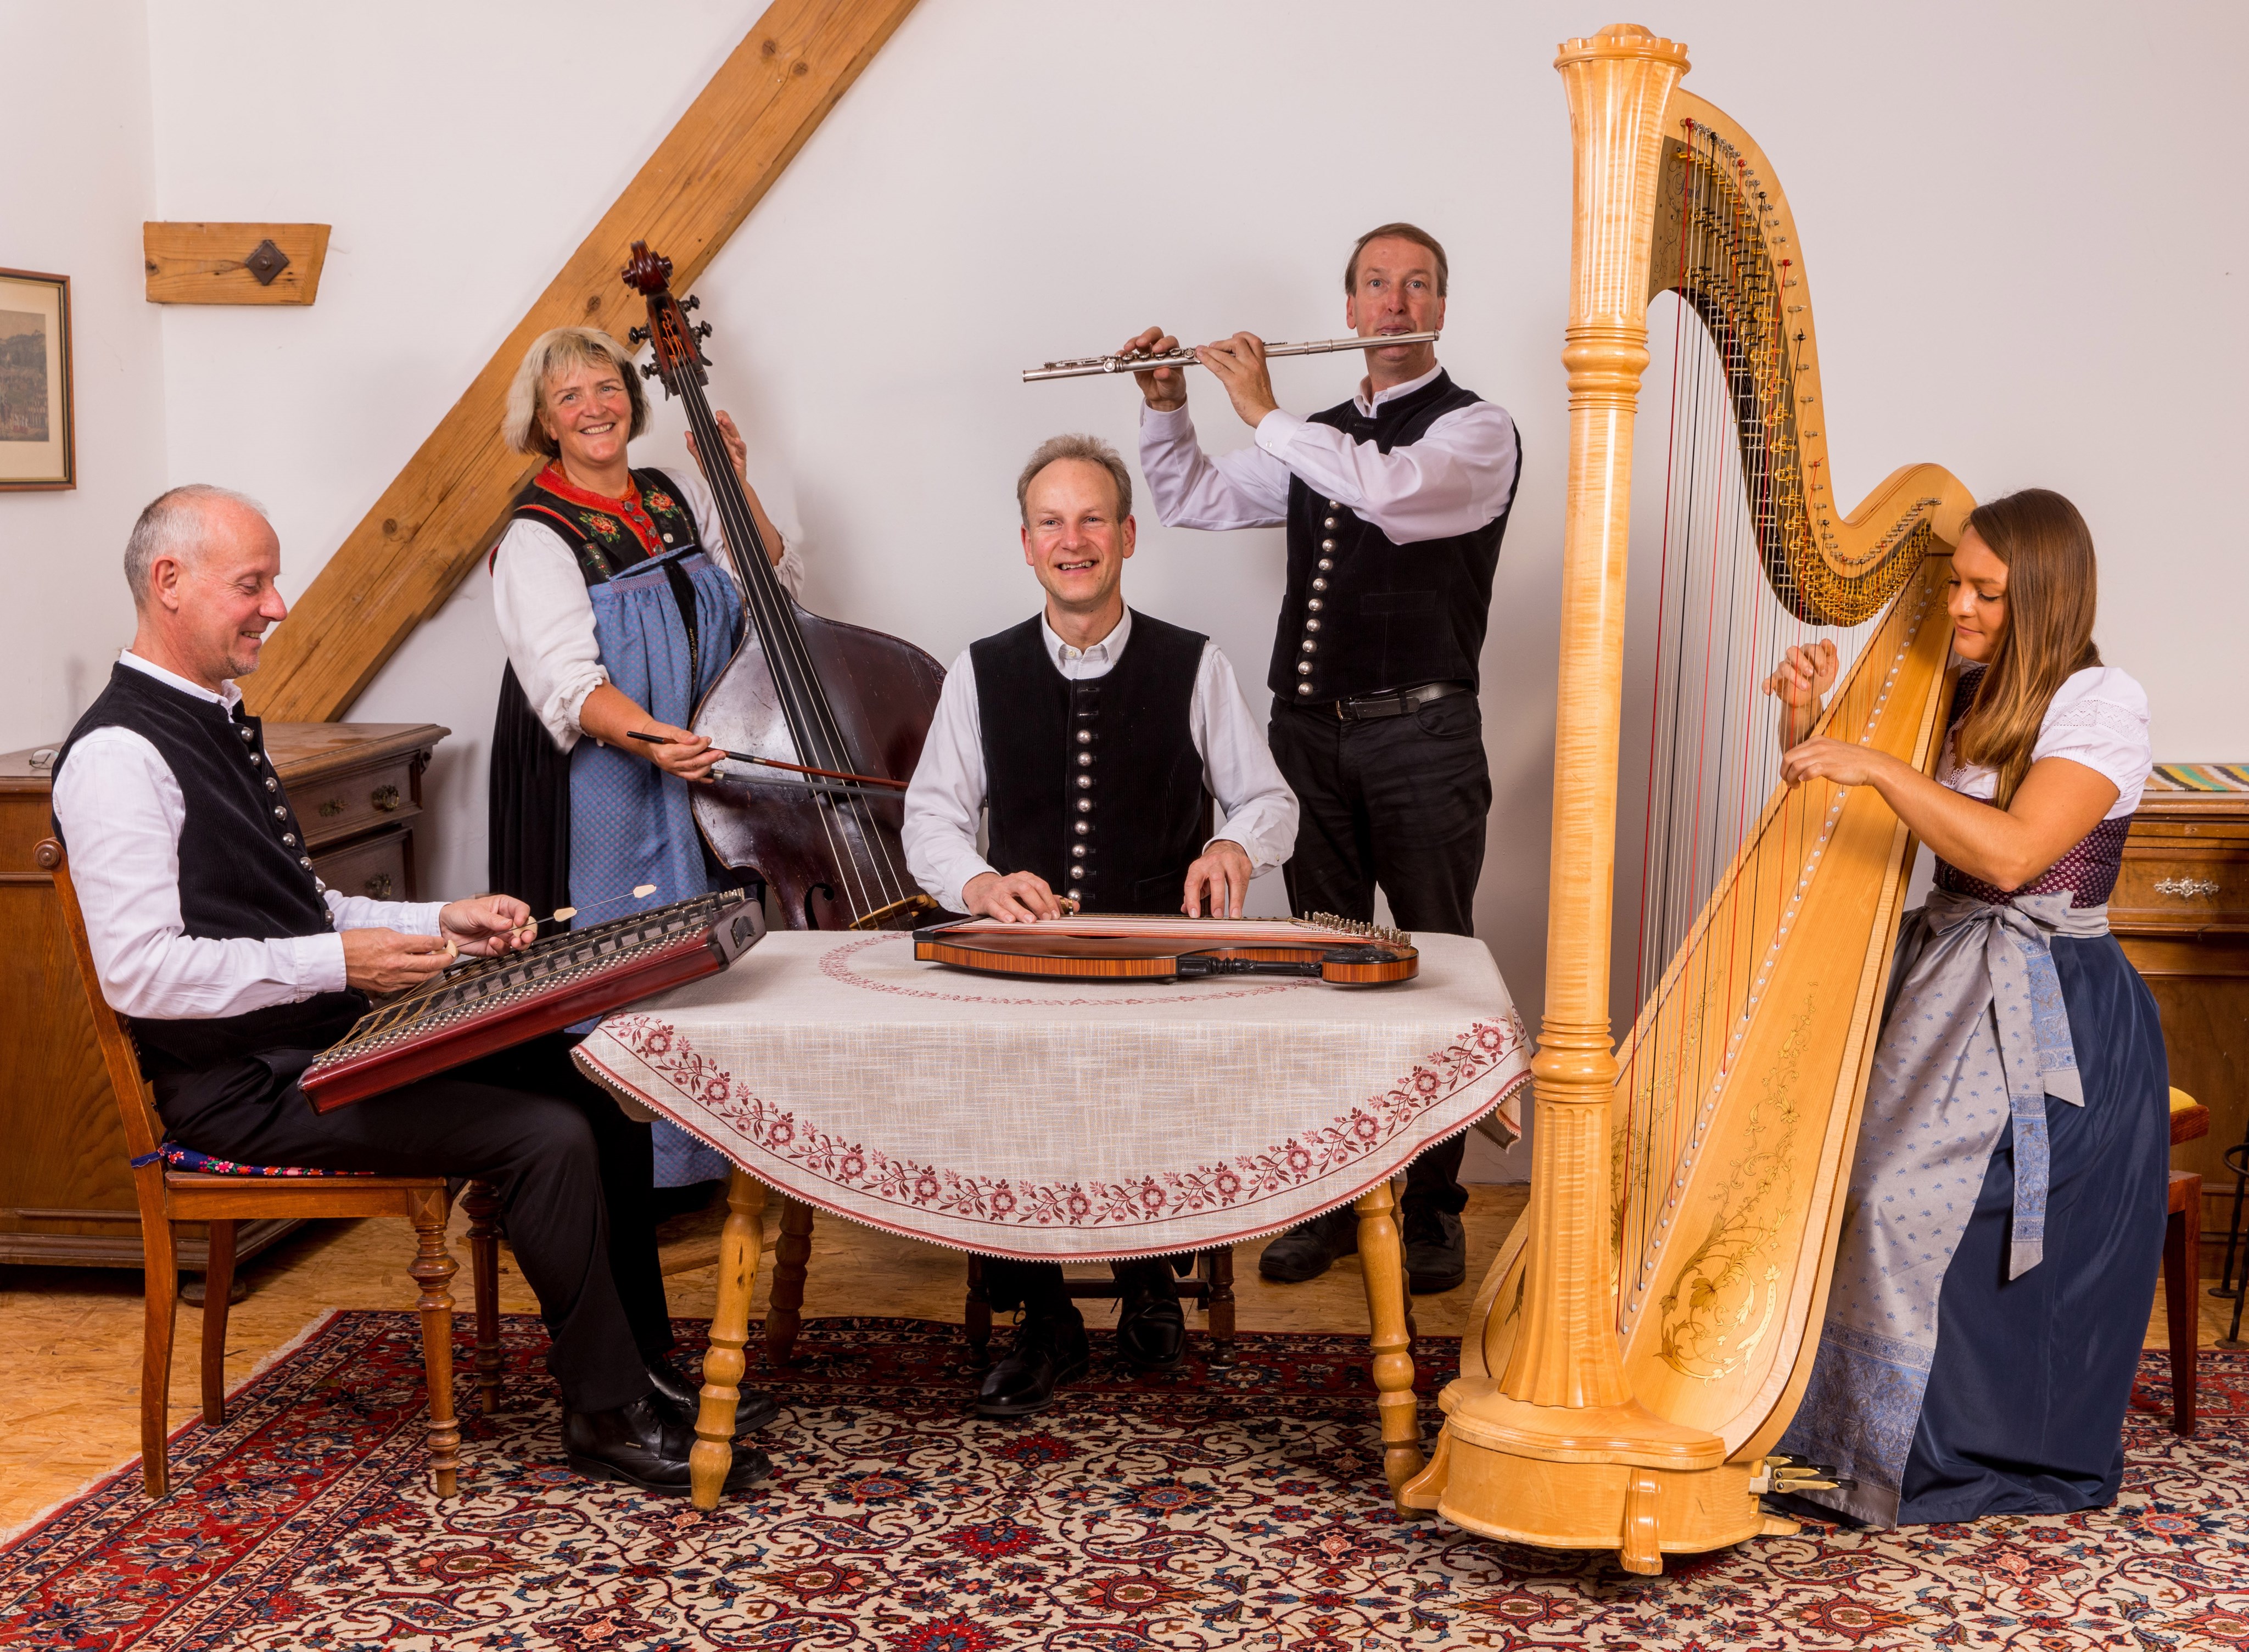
{"points": [[1713, 757]]}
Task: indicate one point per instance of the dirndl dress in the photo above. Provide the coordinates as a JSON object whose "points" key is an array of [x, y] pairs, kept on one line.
{"points": [[584, 827], [2004, 1222]]}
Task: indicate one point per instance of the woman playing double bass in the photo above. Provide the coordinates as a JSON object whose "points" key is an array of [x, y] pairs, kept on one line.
{"points": [[618, 609]]}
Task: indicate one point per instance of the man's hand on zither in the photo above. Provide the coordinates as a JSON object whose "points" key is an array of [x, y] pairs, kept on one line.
{"points": [[488, 925], [1020, 897], [383, 962], [1223, 876]]}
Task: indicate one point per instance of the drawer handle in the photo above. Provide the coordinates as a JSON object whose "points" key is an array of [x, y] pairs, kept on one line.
{"points": [[334, 806], [386, 798], [2187, 888], [378, 887]]}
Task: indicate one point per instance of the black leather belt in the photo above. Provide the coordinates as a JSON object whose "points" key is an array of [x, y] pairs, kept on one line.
{"points": [[1396, 704]]}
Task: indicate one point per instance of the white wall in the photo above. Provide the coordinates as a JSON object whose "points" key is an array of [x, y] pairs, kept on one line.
{"points": [[78, 181], [2024, 248]]}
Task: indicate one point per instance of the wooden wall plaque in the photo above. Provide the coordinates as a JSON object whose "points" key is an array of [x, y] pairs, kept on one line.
{"points": [[234, 263]]}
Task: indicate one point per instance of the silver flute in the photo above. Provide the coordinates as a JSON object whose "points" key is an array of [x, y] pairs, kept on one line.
{"points": [[1085, 367]]}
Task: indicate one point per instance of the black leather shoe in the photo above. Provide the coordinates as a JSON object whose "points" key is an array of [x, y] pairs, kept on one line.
{"points": [[1049, 1350], [1436, 1251], [643, 1445], [1151, 1333], [755, 1408], [1306, 1251]]}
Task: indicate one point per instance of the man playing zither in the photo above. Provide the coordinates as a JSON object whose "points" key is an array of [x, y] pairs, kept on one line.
{"points": [[1395, 502], [235, 965], [1096, 737]]}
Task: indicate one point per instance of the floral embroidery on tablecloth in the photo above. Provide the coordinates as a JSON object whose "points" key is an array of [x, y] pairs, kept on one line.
{"points": [[1486, 1048]]}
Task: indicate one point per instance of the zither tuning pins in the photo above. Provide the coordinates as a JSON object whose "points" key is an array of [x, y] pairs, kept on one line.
{"points": [[1355, 926]]}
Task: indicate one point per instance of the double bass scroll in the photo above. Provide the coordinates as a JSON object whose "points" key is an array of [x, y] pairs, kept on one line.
{"points": [[806, 694]]}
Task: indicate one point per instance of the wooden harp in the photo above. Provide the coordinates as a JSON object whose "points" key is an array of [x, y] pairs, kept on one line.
{"points": [[1644, 1337]]}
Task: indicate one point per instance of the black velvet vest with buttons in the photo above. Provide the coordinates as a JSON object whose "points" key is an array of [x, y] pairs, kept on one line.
{"points": [[1364, 614], [1095, 786], [244, 871]]}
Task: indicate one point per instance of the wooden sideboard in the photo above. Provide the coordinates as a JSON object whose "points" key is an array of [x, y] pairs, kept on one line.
{"points": [[66, 1194], [2181, 909]]}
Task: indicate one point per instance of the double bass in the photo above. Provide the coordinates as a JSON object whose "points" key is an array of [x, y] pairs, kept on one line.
{"points": [[807, 695]]}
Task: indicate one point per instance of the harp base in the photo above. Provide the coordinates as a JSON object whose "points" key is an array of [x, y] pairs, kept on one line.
{"points": [[1593, 1477]]}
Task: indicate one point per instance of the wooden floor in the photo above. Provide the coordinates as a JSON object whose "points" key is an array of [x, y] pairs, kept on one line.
{"points": [[70, 1364]]}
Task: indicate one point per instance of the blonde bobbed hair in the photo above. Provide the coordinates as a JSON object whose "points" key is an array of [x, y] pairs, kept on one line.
{"points": [[557, 351]]}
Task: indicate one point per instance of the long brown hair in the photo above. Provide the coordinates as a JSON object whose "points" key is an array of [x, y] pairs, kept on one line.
{"points": [[2052, 590]]}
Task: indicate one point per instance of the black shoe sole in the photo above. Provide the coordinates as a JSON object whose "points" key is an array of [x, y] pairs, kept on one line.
{"points": [[1069, 1373], [1177, 1362], [749, 1467]]}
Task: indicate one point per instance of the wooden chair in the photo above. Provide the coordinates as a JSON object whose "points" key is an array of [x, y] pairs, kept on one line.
{"points": [[167, 1196], [1210, 1286], [2183, 1262]]}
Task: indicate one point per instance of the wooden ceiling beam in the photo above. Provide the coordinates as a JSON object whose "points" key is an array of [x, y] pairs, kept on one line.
{"points": [[437, 518]]}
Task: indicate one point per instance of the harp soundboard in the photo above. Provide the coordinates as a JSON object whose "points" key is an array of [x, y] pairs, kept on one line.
{"points": [[488, 1004]]}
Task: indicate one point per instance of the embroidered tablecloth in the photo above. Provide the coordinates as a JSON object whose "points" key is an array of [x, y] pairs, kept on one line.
{"points": [[1093, 1120]]}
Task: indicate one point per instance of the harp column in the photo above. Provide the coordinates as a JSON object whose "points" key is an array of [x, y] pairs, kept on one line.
{"points": [[1557, 1450]]}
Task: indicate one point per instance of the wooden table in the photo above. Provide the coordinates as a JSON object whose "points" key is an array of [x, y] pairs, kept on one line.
{"points": [[1060, 1120]]}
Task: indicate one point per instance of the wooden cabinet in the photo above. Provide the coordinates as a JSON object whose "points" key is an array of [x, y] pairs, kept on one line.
{"points": [[2181, 909], [66, 1195]]}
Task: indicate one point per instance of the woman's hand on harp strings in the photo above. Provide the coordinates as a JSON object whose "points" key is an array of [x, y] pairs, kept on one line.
{"points": [[1019, 897], [485, 926], [738, 454], [1165, 387], [1222, 874], [1800, 683], [1836, 760]]}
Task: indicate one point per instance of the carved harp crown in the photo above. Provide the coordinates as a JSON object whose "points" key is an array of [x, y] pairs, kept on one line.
{"points": [[1644, 1337]]}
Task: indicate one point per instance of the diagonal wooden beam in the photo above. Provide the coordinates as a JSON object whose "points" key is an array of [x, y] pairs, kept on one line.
{"points": [[437, 518]]}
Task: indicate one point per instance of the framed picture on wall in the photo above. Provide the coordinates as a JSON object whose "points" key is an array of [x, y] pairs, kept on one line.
{"points": [[35, 446]]}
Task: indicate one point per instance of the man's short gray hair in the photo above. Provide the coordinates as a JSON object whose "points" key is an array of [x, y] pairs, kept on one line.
{"points": [[558, 350], [1093, 450], [172, 525]]}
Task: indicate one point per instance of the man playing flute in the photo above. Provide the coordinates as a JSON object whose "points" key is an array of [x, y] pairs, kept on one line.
{"points": [[235, 965], [1394, 501], [1097, 738]]}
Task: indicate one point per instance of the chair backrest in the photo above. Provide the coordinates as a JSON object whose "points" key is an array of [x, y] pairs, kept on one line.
{"points": [[136, 1105]]}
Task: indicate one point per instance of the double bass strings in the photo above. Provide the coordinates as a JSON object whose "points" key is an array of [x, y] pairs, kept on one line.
{"points": [[860, 857]]}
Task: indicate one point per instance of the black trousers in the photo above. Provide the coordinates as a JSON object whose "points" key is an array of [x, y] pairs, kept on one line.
{"points": [[572, 1172], [1037, 1287], [1399, 802]]}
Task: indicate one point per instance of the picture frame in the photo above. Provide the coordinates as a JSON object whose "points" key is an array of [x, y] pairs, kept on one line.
{"points": [[38, 448]]}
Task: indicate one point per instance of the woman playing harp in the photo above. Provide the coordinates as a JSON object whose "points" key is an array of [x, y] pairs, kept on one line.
{"points": [[2005, 1218]]}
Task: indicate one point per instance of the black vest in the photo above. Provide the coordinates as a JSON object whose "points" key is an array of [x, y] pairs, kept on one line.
{"points": [[1095, 786], [1363, 614], [243, 868]]}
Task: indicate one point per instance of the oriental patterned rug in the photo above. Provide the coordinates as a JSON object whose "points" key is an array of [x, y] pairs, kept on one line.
{"points": [[1232, 1509]]}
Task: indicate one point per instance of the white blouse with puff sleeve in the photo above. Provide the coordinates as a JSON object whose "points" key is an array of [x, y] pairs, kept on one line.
{"points": [[546, 615], [2098, 718]]}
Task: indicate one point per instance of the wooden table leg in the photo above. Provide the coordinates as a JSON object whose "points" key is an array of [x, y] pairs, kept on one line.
{"points": [[1381, 1259], [432, 1269], [792, 1254], [739, 1242]]}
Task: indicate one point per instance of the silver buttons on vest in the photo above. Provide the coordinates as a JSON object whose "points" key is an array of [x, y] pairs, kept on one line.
{"points": [[1085, 805], [1313, 605], [272, 784], [1309, 646], [1328, 547], [1085, 759], [246, 731], [280, 813], [306, 861], [1304, 668], [1329, 523], [1311, 625], [1078, 852], [1303, 688], [1083, 829], [1084, 784], [1084, 738], [290, 839]]}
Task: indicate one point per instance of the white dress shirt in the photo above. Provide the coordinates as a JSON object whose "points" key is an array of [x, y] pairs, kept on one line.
{"points": [[121, 809], [546, 613], [1459, 476], [2098, 718], [944, 802]]}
